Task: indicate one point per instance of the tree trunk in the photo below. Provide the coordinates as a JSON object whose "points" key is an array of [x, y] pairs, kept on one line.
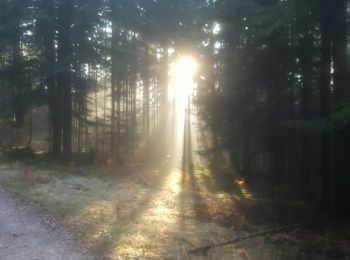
{"points": [[48, 35], [97, 135], [113, 86], [146, 93], [325, 105], [341, 96], [306, 47], [17, 58], [64, 75]]}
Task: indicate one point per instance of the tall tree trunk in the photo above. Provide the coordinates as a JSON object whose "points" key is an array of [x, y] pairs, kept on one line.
{"points": [[48, 34], [341, 96], [17, 59], [113, 86], [276, 139], [104, 114], [64, 76], [306, 47], [97, 135], [118, 115], [325, 105], [146, 93], [133, 111], [165, 81]]}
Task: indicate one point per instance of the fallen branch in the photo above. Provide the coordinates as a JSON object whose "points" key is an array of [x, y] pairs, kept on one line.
{"points": [[205, 249]]}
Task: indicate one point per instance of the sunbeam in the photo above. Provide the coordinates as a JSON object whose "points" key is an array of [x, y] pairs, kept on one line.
{"points": [[181, 90], [186, 68]]}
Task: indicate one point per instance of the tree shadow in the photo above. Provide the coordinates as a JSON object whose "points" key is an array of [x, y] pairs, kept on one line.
{"points": [[124, 226], [189, 182]]}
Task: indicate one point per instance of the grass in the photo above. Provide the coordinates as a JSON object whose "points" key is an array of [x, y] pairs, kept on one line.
{"points": [[139, 212], [95, 206], [131, 214], [13, 184]]}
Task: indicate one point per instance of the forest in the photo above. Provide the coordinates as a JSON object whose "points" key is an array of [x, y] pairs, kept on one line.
{"points": [[241, 107]]}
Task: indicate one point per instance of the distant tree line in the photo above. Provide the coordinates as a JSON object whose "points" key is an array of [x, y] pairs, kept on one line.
{"points": [[101, 67]]}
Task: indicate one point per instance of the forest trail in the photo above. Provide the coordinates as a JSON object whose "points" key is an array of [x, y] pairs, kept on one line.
{"points": [[25, 235]]}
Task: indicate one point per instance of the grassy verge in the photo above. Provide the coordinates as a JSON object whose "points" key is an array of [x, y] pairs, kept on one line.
{"points": [[91, 202]]}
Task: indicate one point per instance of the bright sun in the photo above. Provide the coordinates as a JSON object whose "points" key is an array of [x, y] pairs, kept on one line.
{"points": [[186, 68]]}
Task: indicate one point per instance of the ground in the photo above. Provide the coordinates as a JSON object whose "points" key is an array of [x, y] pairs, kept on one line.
{"points": [[142, 212], [27, 235]]}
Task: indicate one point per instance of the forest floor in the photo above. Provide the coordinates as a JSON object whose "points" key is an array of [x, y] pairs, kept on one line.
{"points": [[27, 235], [140, 212]]}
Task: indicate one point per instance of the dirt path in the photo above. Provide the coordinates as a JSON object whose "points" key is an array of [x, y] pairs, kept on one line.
{"points": [[25, 235]]}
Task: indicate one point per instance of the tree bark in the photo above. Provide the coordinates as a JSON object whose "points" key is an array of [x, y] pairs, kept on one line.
{"points": [[113, 82], [306, 47], [325, 105], [64, 75], [341, 97], [146, 94]]}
